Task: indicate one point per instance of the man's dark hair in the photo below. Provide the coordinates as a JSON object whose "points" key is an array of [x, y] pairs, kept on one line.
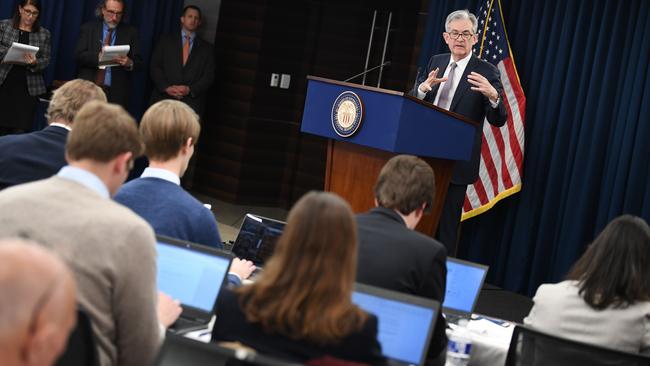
{"points": [[405, 183], [187, 7], [615, 269], [37, 4]]}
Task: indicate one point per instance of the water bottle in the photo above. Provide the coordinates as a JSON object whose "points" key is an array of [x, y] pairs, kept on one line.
{"points": [[460, 345]]}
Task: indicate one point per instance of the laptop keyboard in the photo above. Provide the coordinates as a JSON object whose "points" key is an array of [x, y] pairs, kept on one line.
{"points": [[186, 325]]}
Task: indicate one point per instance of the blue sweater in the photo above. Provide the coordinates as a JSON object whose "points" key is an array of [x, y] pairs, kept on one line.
{"points": [[170, 210]]}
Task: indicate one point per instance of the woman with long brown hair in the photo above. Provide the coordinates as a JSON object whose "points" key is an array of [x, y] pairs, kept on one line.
{"points": [[301, 306], [606, 297]]}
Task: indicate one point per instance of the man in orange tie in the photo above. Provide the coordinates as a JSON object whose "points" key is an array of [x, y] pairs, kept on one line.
{"points": [[182, 65]]}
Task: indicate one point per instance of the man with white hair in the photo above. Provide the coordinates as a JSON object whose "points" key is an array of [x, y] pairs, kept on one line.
{"points": [[37, 306], [462, 83]]}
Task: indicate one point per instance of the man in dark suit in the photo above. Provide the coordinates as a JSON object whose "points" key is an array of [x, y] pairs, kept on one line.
{"points": [[109, 31], [394, 256], [182, 65], [470, 87], [39, 155]]}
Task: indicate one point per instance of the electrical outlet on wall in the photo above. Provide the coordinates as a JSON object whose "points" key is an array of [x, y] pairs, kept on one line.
{"points": [[275, 78], [285, 81]]}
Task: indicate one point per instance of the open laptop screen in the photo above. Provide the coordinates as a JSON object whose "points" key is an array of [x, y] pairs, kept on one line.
{"points": [[257, 238], [464, 283], [405, 322], [193, 277]]}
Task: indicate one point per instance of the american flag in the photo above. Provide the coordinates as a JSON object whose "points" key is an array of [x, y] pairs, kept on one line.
{"points": [[502, 151]]}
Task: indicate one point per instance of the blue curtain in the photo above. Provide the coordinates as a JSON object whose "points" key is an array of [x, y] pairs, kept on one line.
{"points": [[63, 18], [585, 69]]}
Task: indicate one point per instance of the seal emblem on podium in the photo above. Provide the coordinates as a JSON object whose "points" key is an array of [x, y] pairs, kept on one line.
{"points": [[347, 114]]}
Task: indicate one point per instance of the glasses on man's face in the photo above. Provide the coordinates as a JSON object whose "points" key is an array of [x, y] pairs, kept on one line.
{"points": [[30, 13], [114, 13], [454, 35]]}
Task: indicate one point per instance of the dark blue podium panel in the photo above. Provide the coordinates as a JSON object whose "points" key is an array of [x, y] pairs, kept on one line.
{"points": [[391, 122]]}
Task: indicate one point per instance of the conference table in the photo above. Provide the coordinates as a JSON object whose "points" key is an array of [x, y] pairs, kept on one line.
{"points": [[490, 340]]}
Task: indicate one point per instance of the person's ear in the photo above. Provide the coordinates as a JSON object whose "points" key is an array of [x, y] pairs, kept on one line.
{"points": [[123, 162], [187, 145], [43, 345]]}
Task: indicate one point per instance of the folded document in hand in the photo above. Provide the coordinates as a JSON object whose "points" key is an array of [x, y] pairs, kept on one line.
{"points": [[109, 53], [16, 53]]}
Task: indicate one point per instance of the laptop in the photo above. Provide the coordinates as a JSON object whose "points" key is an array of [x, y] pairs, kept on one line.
{"points": [[257, 238], [464, 283], [406, 322], [193, 274]]}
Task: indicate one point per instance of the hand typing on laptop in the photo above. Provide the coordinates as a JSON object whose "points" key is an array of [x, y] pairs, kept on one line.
{"points": [[241, 268], [168, 309]]}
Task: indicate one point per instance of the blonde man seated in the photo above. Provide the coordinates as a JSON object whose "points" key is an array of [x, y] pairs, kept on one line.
{"points": [[170, 130]]}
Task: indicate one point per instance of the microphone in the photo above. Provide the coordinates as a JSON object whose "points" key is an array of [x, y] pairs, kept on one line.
{"points": [[367, 71]]}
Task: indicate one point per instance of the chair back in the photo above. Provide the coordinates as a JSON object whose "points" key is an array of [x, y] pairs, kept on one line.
{"points": [[181, 351], [81, 349], [530, 347]]}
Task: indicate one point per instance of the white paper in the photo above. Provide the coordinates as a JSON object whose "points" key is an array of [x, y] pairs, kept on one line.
{"points": [[17, 51], [111, 52]]}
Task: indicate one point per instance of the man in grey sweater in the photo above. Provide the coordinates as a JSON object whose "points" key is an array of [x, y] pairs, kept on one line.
{"points": [[110, 250]]}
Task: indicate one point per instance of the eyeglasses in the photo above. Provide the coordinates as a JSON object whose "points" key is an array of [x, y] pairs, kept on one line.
{"points": [[30, 13], [114, 13], [454, 35]]}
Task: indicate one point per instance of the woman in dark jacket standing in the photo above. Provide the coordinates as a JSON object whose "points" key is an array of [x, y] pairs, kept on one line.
{"points": [[21, 84]]}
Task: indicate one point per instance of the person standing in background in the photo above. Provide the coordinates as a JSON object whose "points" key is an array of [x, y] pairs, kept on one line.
{"points": [[182, 65], [21, 84], [109, 31]]}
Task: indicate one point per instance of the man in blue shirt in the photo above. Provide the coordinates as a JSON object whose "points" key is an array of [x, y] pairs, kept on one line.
{"points": [[109, 30], [182, 64], [170, 130]]}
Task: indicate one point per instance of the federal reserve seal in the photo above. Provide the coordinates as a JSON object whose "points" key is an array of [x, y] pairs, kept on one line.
{"points": [[347, 114]]}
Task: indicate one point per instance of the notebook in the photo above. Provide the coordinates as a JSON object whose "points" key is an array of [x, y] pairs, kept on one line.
{"points": [[406, 322], [464, 283], [193, 274], [257, 238]]}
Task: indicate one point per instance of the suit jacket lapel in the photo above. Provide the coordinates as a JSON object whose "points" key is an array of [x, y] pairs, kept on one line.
{"points": [[178, 50], [463, 84], [99, 36]]}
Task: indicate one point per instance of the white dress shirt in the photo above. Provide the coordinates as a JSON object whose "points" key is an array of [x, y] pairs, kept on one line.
{"points": [[461, 65], [163, 174]]}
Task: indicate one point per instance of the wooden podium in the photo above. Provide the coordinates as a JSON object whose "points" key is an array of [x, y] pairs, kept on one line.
{"points": [[393, 123]]}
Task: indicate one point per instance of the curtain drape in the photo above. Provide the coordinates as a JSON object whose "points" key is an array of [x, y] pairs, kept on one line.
{"points": [[63, 18], [585, 69]]}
